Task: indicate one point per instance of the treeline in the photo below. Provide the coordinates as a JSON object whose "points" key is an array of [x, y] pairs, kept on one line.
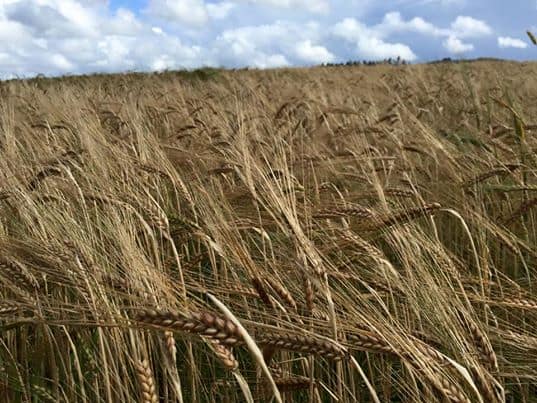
{"points": [[391, 61], [479, 59], [398, 61]]}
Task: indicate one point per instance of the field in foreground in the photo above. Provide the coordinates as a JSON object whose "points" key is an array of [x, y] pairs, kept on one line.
{"points": [[333, 234]]}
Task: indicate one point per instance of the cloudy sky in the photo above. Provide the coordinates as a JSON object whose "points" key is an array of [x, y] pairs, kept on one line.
{"points": [[55, 37]]}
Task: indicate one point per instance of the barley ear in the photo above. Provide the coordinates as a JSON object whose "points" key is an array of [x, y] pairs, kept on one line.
{"points": [[147, 382], [250, 343]]}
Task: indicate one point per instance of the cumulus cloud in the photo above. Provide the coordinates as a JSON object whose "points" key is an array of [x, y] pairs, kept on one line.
{"points": [[270, 45], [53, 18], [124, 22], [190, 12], [374, 48], [508, 42], [444, 3], [454, 45], [465, 27], [468, 27], [461, 28], [80, 36], [452, 2], [315, 6], [394, 22], [310, 53], [265, 61], [368, 43], [219, 11], [64, 36]]}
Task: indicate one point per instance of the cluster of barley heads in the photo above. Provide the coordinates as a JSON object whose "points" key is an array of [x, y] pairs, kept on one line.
{"points": [[284, 236]]}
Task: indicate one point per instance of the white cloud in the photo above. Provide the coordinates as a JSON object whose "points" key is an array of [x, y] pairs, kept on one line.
{"points": [[61, 62], [247, 39], [461, 27], [264, 61], [274, 44], [314, 6], [162, 63], [114, 52], [255, 46], [124, 22], [47, 36], [465, 27], [393, 22], [508, 42], [219, 11], [368, 43], [54, 17], [12, 32], [190, 12], [374, 48], [349, 29], [444, 3], [310, 53], [456, 46], [468, 27], [79, 36]]}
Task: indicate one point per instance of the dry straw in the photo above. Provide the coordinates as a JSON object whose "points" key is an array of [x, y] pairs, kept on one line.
{"points": [[301, 200]]}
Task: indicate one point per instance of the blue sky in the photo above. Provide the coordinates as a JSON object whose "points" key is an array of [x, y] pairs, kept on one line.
{"points": [[55, 37]]}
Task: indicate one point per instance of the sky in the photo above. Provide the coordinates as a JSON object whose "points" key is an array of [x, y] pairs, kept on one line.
{"points": [[57, 37]]}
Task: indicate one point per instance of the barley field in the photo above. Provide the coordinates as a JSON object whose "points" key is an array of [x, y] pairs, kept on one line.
{"points": [[331, 234]]}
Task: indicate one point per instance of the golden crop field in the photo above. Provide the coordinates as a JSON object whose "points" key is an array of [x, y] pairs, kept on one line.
{"points": [[346, 234]]}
